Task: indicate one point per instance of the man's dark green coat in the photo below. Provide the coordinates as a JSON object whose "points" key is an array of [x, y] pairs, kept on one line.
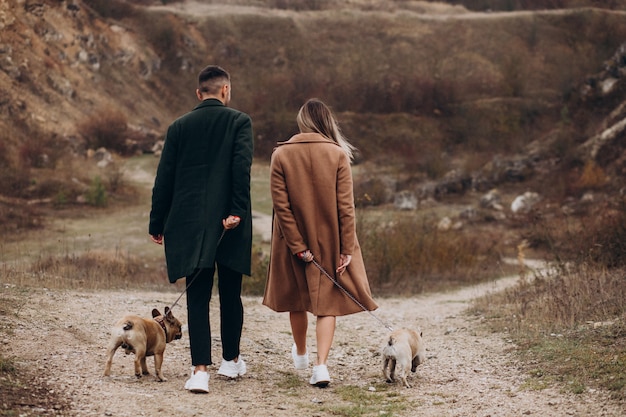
{"points": [[202, 178]]}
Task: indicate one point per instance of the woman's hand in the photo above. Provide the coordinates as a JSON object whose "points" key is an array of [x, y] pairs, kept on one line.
{"points": [[305, 256], [345, 261]]}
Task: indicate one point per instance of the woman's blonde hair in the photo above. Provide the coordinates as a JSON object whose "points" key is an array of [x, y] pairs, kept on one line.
{"points": [[315, 117]]}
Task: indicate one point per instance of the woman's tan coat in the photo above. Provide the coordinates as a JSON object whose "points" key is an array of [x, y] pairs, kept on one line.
{"points": [[311, 187]]}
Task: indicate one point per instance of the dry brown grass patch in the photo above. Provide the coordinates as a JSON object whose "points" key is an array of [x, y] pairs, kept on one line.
{"points": [[93, 270]]}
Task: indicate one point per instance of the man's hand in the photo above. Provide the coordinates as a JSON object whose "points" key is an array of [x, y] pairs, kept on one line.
{"points": [[158, 239], [231, 222]]}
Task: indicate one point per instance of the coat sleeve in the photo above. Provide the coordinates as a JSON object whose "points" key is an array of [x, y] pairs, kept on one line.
{"points": [[345, 207], [242, 160], [282, 208], [163, 189]]}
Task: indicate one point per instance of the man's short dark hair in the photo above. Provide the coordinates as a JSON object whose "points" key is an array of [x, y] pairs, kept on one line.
{"points": [[212, 78]]}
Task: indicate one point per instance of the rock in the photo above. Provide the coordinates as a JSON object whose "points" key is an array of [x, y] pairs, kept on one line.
{"points": [[468, 213], [454, 182], [405, 200], [491, 200], [445, 224], [157, 148], [525, 202]]}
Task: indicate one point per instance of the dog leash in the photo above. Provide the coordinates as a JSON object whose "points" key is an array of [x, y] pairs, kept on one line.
{"points": [[196, 274], [334, 281]]}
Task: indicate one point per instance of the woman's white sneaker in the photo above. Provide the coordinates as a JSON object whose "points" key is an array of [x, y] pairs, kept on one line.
{"points": [[299, 361], [320, 377]]}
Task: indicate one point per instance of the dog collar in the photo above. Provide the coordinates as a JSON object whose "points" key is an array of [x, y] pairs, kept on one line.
{"points": [[162, 323]]}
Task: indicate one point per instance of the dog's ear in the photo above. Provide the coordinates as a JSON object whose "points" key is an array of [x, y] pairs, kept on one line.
{"points": [[168, 312], [155, 313]]}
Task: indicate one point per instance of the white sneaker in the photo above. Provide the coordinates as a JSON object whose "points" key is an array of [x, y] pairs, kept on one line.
{"points": [[193, 370], [199, 382], [232, 369], [299, 361], [320, 377]]}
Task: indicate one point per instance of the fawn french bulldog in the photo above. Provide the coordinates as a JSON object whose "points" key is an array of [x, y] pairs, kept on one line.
{"points": [[144, 337]]}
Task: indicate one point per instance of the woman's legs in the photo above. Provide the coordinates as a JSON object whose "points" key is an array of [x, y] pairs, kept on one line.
{"points": [[299, 325], [325, 331]]}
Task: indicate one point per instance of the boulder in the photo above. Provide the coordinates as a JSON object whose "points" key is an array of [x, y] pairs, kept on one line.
{"points": [[405, 200], [525, 202]]}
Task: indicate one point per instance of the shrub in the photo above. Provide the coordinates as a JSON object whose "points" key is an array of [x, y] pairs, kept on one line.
{"points": [[592, 177], [15, 218], [97, 195], [411, 255], [160, 31], [114, 9], [372, 192], [598, 239], [105, 128], [604, 239], [33, 154]]}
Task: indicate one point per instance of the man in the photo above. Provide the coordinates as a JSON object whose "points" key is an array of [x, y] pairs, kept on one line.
{"points": [[201, 211]]}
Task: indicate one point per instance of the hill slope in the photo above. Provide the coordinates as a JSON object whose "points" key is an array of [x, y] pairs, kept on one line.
{"points": [[427, 87]]}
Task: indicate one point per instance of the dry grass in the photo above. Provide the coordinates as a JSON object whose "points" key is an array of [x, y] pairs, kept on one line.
{"points": [[409, 255], [105, 128], [91, 270], [570, 329], [570, 325]]}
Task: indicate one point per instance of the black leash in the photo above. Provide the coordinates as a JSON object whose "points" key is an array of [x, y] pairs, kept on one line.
{"points": [[334, 281], [196, 274]]}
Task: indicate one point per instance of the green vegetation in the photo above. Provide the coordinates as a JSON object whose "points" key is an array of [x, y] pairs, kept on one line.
{"points": [[97, 196], [360, 402]]}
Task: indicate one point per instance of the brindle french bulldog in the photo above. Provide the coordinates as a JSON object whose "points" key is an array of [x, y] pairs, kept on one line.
{"points": [[144, 337]]}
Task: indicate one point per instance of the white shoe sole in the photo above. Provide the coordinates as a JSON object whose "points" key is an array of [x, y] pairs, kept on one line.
{"points": [[320, 381]]}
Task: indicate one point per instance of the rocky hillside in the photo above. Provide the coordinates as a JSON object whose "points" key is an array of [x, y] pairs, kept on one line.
{"points": [[451, 99], [60, 62]]}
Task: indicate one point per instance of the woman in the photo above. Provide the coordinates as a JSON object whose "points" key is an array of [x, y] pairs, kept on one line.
{"points": [[314, 219]]}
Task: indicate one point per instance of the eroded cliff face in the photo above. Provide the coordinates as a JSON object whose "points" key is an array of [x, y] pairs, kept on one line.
{"points": [[607, 144], [59, 62]]}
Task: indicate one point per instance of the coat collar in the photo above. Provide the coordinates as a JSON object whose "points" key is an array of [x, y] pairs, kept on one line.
{"points": [[306, 138], [209, 102]]}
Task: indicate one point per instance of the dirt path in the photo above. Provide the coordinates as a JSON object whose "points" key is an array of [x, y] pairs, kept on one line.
{"points": [[62, 335]]}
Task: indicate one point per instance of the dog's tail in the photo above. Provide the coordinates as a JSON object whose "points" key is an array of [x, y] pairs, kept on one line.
{"points": [[389, 350]]}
